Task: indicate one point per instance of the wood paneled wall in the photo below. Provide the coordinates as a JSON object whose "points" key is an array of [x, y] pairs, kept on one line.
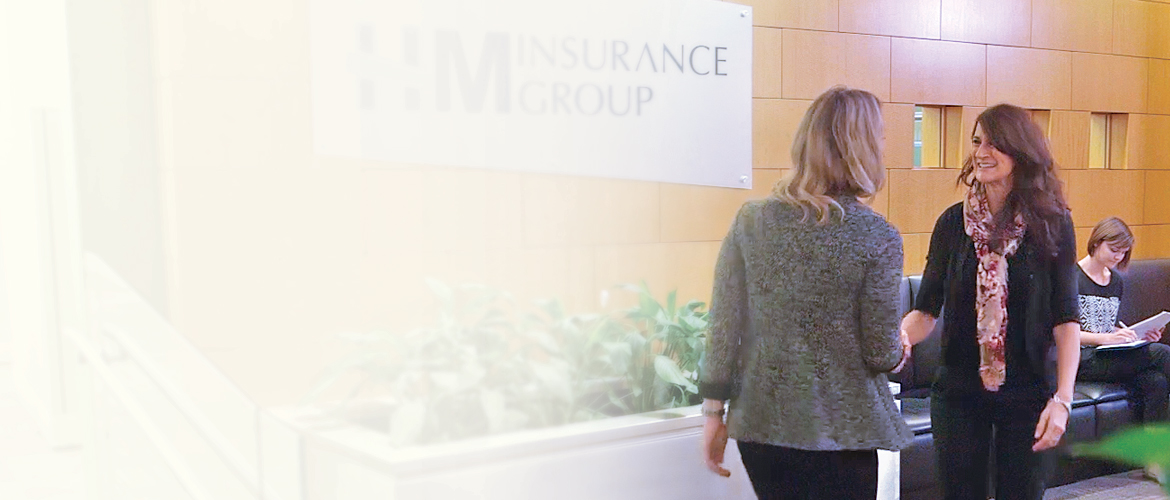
{"points": [[1070, 57]]}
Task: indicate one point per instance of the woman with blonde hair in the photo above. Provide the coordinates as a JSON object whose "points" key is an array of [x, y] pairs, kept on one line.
{"points": [[805, 318]]}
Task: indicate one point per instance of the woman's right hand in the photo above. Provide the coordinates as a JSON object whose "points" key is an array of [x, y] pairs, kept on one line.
{"points": [[907, 351], [1120, 336], [917, 325]]}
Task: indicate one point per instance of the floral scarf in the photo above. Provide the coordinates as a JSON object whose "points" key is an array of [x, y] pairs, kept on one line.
{"points": [[991, 293]]}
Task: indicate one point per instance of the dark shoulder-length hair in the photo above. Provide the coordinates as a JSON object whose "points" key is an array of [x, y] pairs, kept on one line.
{"points": [[1036, 192]]}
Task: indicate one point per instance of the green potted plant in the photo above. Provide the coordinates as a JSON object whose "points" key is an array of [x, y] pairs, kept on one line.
{"points": [[489, 365]]}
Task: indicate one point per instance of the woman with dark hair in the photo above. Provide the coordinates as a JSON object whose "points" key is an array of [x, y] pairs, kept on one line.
{"points": [[1146, 369], [1003, 263], [804, 315]]}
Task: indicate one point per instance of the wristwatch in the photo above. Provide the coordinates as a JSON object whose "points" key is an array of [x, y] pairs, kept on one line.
{"points": [[714, 412]]}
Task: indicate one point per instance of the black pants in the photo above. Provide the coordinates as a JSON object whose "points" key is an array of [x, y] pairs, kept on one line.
{"points": [[965, 425], [1145, 369], [787, 473]]}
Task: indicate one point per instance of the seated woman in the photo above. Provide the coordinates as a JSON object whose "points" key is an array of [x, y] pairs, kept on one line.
{"points": [[1145, 369]]}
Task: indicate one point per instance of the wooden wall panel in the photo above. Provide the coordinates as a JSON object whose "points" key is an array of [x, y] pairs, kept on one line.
{"points": [[583, 291], [1096, 194], [687, 267], [807, 14], [1068, 136], [1083, 240], [703, 213], [930, 72], [1148, 137], [815, 61], [1141, 28], [766, 56], [1159, 99], [527, 273], [1105, 83], [933, 127], [915, 246], [1030, 78], [699, 213], [909, 18], [619, 211], [881, 201], [918, 197], [1078, 25], [763, 181], [1064, 176], [774, 121], [958, 142], [899, 122], [1153, 242], [584, 211], [1157, 198], [1000, 22], [549, 210]]}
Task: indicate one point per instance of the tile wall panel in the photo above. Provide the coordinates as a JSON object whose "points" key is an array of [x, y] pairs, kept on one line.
{"points": [[999, 22], [1031, 78], [1078, 25], [904, 18], [930, 72], [815, 61], [1107, 83]]}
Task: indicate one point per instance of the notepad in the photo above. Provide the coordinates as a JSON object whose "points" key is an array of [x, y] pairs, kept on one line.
{"points": [[1127, 345], [1150, 324], [1141, 329]]}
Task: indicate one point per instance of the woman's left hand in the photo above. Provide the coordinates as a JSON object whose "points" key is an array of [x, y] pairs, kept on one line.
{"points": [[714, 442], [1155, 335], [1050, 428]]}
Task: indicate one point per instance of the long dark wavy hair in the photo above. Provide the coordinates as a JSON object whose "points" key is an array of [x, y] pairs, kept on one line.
{"points": [[1036, 192]]}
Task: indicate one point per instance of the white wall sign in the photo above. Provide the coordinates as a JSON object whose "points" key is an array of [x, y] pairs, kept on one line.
{"points": [[639, 89]]}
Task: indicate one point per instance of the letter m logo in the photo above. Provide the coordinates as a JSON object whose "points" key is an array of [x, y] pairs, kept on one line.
{"points": [[494, 61]]}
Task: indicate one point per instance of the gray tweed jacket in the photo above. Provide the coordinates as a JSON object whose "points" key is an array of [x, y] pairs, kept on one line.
{"points": [[805, 326]]}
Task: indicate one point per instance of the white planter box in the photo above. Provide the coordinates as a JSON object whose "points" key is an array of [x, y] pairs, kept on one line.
{"points": [[645, 457]]}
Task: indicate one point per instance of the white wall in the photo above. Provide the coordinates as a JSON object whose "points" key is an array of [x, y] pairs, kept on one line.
{"points": [[36, 161]]}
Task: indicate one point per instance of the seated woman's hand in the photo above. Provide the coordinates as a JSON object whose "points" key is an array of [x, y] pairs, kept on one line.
{"points": [[1155, 335], [1121, 336]]}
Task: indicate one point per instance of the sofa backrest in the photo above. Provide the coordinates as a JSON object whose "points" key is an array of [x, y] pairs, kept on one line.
{"points": [[1147, 291], [918, 374]]}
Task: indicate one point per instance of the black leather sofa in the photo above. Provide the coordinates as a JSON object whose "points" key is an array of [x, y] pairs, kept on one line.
{"points": [[1098, 409]]}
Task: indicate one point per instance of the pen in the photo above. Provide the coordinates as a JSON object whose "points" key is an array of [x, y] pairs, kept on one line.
{"points": [[1122, 323]]}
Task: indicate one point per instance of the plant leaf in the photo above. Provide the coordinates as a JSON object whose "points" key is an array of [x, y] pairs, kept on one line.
{"points": [[1143, 445], [669, 371], [555, 378], [694, 323]]}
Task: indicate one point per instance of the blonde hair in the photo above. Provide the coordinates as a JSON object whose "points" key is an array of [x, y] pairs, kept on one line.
{"points": [[837, 151]]}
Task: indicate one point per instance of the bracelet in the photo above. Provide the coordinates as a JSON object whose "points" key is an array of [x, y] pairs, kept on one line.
{"points": [[1067, 404], [707, 412]]}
